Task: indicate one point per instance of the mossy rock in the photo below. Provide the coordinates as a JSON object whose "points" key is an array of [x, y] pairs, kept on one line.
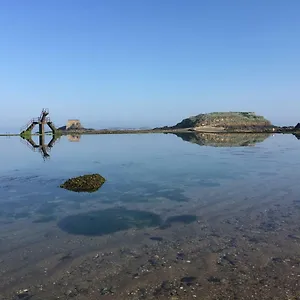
{"points": [[86, 183]]}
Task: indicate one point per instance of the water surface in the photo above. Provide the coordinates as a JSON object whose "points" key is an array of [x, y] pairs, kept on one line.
{"points": [[153, 182]]}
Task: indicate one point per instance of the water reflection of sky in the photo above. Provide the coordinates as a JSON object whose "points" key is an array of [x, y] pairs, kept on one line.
{"points": [[139, 169]]}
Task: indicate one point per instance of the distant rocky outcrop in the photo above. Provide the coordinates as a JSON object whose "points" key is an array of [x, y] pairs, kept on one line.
{"points": [[225, 121], [289, 129], [223, 139]]}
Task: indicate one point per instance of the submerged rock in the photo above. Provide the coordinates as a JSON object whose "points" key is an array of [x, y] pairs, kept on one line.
{"points": [[108, 221], [188, 279], [184, 219], [86, 183]]}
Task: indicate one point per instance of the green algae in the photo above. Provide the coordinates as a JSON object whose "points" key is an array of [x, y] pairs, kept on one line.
{"points": [[85, 183]]}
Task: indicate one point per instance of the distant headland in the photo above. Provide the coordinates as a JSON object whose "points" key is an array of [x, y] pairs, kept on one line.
{"points": [[215, 122], [224, 122]]}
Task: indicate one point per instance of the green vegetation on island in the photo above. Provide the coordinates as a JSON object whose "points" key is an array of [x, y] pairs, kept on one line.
{"points": [[227, 121]]}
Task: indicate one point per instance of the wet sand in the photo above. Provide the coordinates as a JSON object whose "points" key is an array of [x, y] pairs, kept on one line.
{"points": [[244, 251]]}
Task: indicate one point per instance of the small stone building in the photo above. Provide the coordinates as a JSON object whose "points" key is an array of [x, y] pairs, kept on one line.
{"points": [[73, 124]]}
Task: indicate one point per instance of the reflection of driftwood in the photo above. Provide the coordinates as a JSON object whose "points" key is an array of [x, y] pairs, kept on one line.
{"points": [[224, 139], [73, 137], [42, 146]]}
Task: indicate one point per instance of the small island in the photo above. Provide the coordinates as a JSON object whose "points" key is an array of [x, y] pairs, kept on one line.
{"points": [[215, 122], [225, 122]]}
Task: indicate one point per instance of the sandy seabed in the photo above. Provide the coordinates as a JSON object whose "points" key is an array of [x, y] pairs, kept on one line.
{"points": [[233, 250]]}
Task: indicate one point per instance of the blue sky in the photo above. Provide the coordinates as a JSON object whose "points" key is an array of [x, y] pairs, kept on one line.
{"points": [[148, 63]]}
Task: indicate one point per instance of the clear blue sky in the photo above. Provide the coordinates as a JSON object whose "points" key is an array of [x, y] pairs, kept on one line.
{"points": [[148, 62]]}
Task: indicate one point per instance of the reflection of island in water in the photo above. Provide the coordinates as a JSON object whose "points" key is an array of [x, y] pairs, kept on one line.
{"points": [[297, 135], [43, 147], [223, 139], [74, 137]]}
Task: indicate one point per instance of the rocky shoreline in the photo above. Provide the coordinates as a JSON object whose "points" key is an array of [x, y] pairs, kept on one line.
{"points": [[283, 130], [273, 129], [205, 129]]}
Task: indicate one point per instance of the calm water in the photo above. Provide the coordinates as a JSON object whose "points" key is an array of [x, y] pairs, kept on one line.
{"points": [[153, 180], [144, 170]]}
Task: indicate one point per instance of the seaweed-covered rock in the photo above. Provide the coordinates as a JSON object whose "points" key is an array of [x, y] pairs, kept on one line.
{"points": [[86, 183]]}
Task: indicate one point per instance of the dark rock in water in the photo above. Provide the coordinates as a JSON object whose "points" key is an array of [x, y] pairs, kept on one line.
{"points": [[213, 279], [108, 221], [277, 259], [297, 126], [188, 279], [294, 237], [23, 295], [180, 256], [86, 183]]}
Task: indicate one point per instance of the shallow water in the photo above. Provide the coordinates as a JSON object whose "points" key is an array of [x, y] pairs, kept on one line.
{"points": [[139, 169], [152, 181]]}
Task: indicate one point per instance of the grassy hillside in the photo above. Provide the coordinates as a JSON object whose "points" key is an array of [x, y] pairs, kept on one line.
{"points": [[224, 119]]}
